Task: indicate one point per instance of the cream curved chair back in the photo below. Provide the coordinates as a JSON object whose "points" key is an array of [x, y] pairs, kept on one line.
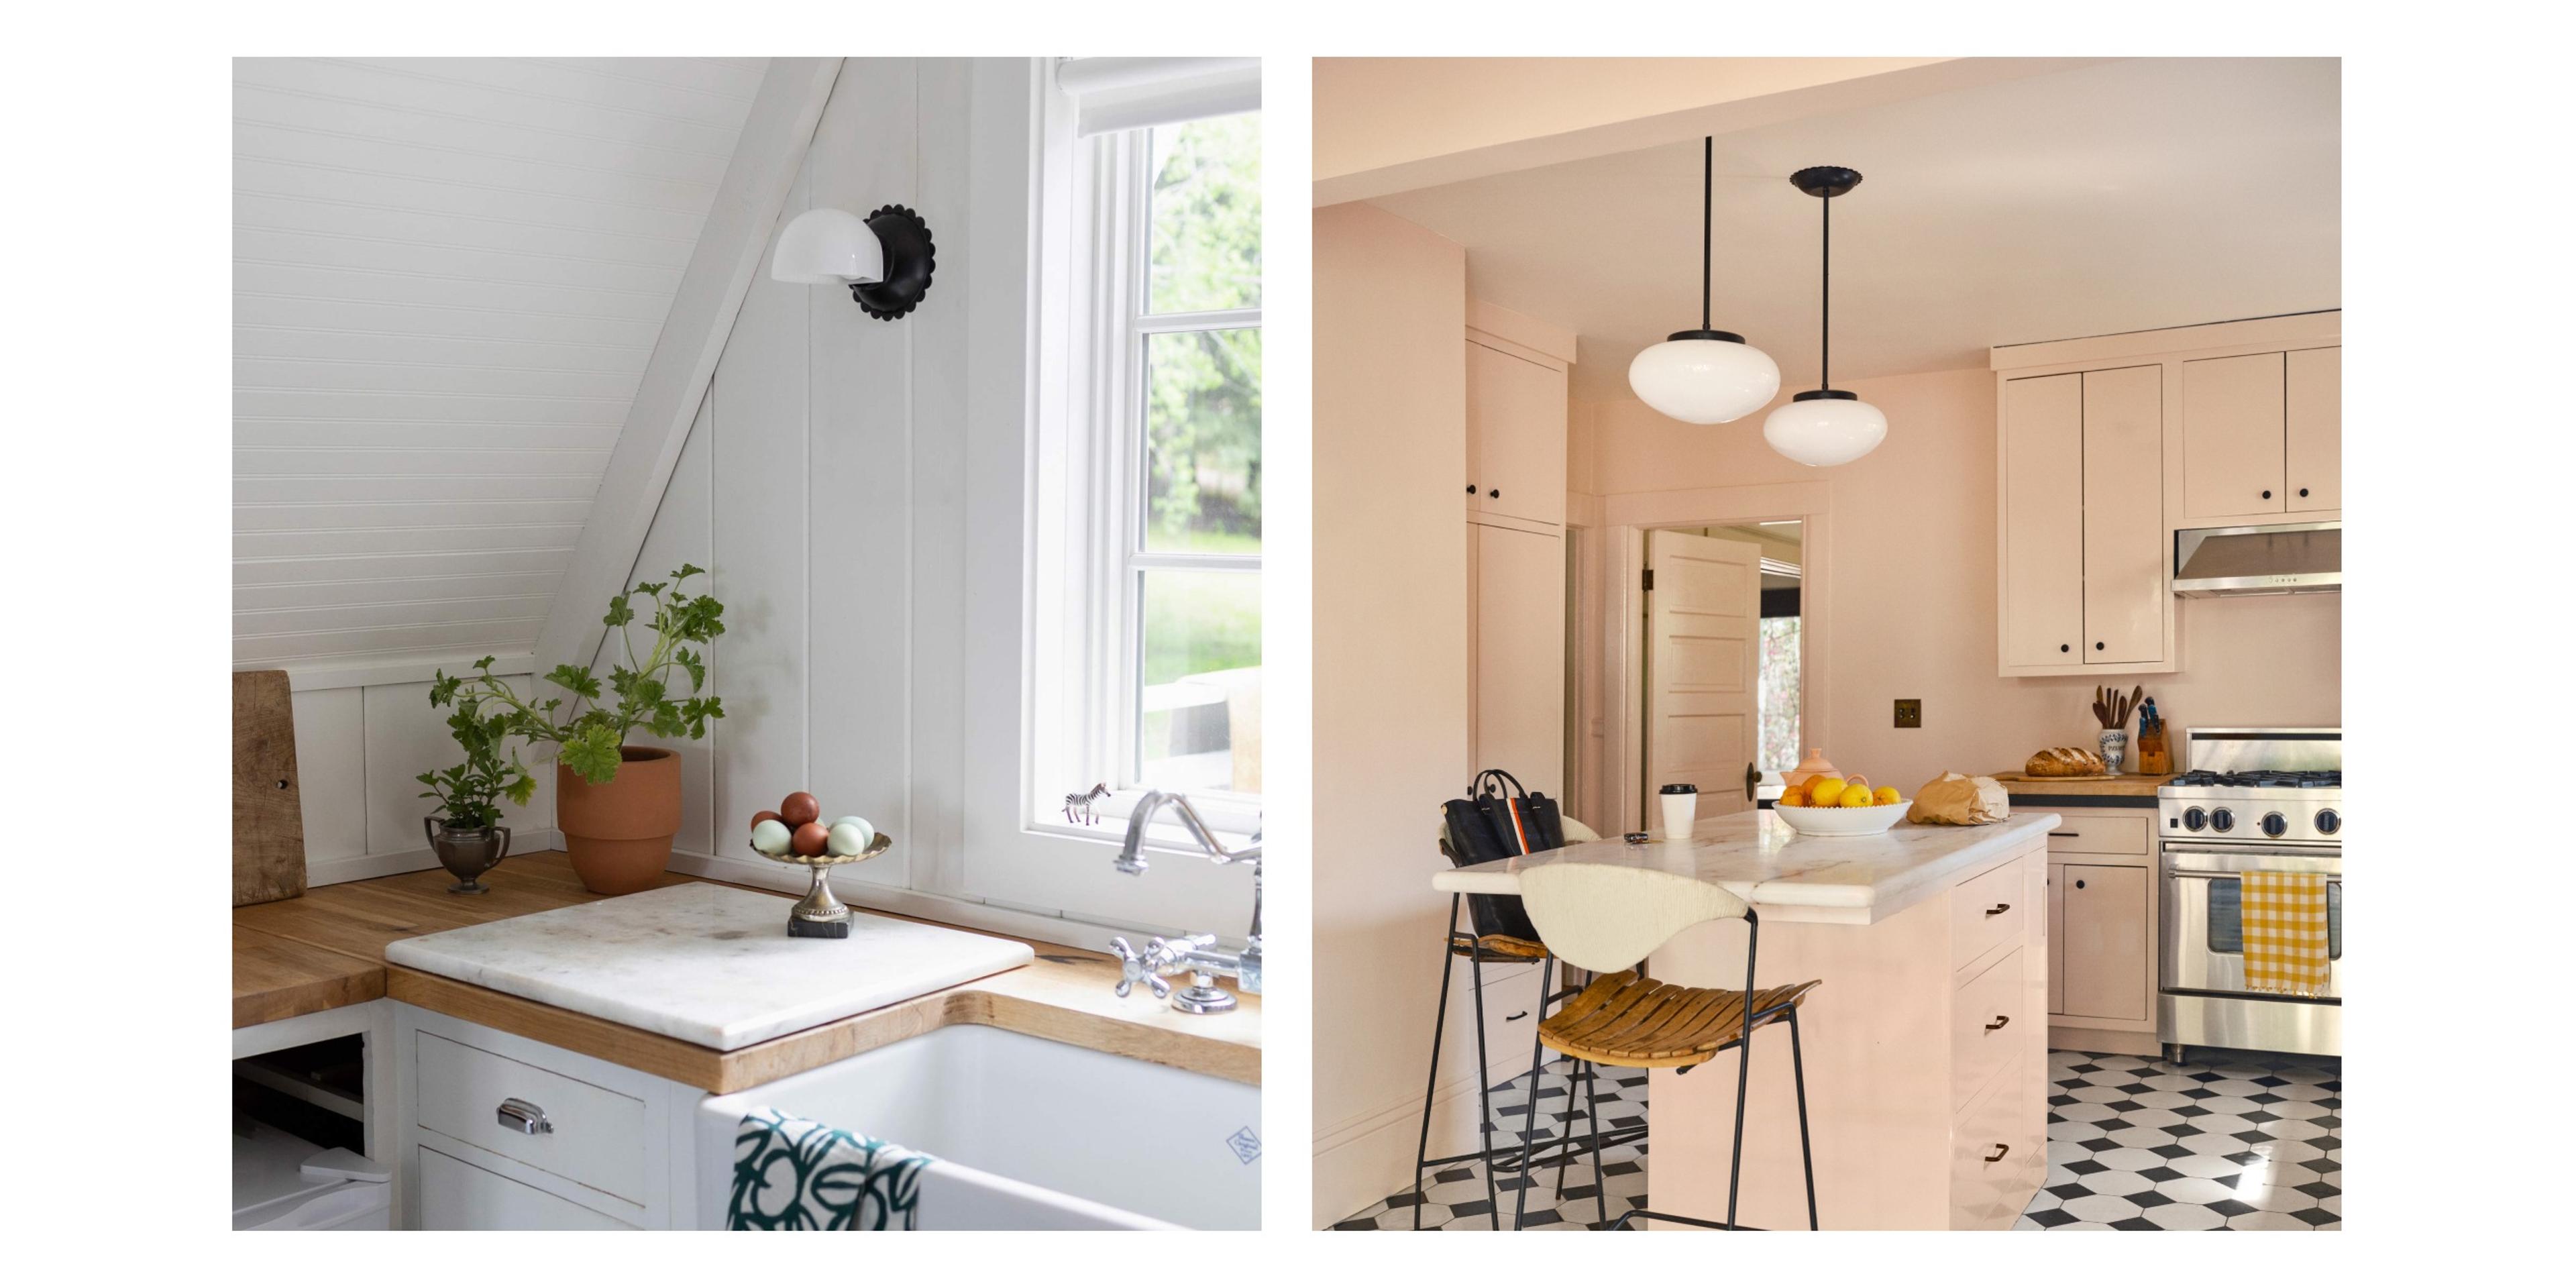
{"points": [[1607, 918]]}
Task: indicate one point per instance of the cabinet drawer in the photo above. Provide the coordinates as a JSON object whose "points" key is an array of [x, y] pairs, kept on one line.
{"points": [[1997, 1157], [598, 1136], [1511, 1015], [2096, 835], [1987, 1026], [1984, 913], [457, 1195]]}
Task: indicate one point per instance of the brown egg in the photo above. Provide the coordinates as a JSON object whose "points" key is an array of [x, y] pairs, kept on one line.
{"points": [[810, 838], [799, 809], [766, 815]]}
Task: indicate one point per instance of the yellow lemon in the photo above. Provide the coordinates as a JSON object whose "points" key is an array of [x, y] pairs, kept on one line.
{"points": [[1825, 793], [1855, 796], [1887, 796]]}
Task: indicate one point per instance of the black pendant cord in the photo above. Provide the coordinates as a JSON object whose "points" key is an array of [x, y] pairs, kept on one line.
{"points": [[1707, 226]]}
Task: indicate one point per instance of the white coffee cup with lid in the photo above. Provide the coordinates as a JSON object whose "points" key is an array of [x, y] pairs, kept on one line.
{"points": [[1681, 810]]}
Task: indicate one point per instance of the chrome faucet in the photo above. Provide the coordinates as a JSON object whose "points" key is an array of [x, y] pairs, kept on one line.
{"points": [[1197, 954]]}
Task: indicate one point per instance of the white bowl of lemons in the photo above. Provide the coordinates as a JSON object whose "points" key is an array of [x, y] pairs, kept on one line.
{"points": [[1857, 809]]}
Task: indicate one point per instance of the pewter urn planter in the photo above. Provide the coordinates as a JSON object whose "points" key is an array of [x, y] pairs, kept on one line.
{"points": [[466, 852]]}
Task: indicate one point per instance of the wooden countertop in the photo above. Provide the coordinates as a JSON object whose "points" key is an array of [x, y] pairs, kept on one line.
{"points": [[327, 949], [2125, 785]]}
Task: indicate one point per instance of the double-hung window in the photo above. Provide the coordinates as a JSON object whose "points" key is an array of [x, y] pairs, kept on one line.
{"points": [[1149, 648]]}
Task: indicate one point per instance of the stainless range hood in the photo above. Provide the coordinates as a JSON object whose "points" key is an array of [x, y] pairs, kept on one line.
{"points": [[2264, 559]]}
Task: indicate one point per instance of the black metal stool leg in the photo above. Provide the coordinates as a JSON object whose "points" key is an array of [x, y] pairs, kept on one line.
{"points": [[1806, 1153], [1529, 1121], [1743, 1064], [1600, 1165], [1484, 1090], [1431, 1092]]}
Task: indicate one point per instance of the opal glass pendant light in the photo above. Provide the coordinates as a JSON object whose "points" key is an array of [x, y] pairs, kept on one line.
{"points": [[1704, 377], [1825, 425]]}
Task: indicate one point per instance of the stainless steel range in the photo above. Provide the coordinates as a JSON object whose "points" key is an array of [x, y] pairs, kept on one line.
{"points": [[2254, 799]]}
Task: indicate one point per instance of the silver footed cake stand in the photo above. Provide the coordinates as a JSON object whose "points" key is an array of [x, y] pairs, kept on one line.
{"points": [[818, 915]]}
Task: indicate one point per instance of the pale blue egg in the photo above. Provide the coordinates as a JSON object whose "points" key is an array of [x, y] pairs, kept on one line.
{"points": [[771, 837], [850, 835]]}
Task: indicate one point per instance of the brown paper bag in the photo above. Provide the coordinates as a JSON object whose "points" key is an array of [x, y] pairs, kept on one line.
{"points": [[1960, 800]]}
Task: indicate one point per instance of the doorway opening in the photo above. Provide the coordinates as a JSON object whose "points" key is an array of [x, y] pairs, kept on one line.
{"points": [[1723, 703]]}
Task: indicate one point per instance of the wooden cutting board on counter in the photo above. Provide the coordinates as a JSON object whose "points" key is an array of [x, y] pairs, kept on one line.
{"points": [[268, 799]]}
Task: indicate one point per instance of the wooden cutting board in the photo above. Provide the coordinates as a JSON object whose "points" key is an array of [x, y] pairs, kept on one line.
{"points": [[2058, 778], [268, 800]]}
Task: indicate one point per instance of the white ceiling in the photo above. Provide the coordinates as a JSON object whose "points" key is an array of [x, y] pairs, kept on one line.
{"points": [[2119, 197], [447, 276]]}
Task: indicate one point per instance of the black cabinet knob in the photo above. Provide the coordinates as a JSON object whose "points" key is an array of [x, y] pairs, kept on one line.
{"points": [[2267, 494], [2303, 491], [2079, 885], [2097, 646], [1497, 494], [1471, 489], [2065, 648]]}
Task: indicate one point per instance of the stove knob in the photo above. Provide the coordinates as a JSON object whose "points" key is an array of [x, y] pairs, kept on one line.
{"points": [[2329, 822], [2222, 818], [2195, 818], [2274, 825]]}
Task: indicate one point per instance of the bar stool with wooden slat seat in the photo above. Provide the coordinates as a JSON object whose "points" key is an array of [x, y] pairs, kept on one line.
{"points": [[1480, 947], [1604, 916]]}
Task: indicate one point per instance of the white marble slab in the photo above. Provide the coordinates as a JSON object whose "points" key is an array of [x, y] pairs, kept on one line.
{"points": [[1757, 857], [705, 963]]}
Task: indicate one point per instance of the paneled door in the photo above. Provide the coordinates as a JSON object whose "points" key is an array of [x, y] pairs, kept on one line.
{"points": [[1515, 436], [2105, 949], [1518, 655], [1703, 669]]}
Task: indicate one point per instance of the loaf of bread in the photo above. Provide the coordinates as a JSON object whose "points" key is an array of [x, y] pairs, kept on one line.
{"points": [[2065, 762]]}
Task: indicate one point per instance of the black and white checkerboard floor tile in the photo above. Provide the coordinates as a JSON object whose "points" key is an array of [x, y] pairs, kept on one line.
{"points": [[1454, 1197], [2231, 1141]]}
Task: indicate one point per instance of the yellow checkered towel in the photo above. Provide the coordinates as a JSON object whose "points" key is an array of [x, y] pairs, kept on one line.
{"points": [[2284, 920]]}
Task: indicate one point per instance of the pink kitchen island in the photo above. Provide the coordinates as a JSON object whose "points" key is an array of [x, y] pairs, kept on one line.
{"points": [[1926, 1047]]}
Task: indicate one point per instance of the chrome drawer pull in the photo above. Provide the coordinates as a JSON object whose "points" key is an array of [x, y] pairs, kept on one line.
{"points": [[2000, 1021], [1998, 1155], [518, 1115], [1999, 910]]}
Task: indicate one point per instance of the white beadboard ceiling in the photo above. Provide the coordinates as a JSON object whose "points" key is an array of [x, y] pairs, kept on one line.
{"points": [[447, 276]]}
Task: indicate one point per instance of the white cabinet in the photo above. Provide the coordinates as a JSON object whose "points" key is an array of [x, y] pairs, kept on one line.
{"points": [[1515, 435], [2102, 917], [607, 1141], [1516, 654], [2084, 579], [2312, 410], [2262, 437]]}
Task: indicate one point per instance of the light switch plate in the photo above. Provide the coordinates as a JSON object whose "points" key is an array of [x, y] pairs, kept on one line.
{"points": [[1909, 713]]}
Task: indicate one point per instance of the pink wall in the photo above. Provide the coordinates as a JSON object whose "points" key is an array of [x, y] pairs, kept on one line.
{"points": [[1390, 713], [1913, 607]]}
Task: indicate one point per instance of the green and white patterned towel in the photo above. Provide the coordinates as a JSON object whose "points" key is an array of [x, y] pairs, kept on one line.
{"points": [[790, 1174]]}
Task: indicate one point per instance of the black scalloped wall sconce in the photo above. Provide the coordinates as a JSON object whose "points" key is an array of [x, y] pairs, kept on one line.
{"points": [[885, 259]]}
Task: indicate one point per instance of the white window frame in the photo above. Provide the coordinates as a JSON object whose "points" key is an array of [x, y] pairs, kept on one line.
{"points": [[1087, 730]]}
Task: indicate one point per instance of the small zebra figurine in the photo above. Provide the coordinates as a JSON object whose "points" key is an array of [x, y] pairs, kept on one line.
{"points": [[1077, 805]]}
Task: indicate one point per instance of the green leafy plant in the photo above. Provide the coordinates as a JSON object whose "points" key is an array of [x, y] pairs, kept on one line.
{"points": [[466, 793], [644, 688]]}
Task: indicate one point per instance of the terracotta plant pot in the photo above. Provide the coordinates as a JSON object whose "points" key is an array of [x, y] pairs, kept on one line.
{"points": [[618, 833]]}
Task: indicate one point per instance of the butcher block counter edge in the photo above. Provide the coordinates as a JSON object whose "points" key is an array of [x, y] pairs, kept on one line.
{"points": [[1757, 857], [326, 949]]}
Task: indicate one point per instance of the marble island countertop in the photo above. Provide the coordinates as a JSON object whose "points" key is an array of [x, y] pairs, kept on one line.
{"points": [[1758, 857]]}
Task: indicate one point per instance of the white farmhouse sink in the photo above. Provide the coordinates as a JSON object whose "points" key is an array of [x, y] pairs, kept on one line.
{"points": [[1033, 1134]]}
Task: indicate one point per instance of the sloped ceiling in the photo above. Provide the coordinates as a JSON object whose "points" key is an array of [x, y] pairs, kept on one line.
{"points": [[447, 277]]}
